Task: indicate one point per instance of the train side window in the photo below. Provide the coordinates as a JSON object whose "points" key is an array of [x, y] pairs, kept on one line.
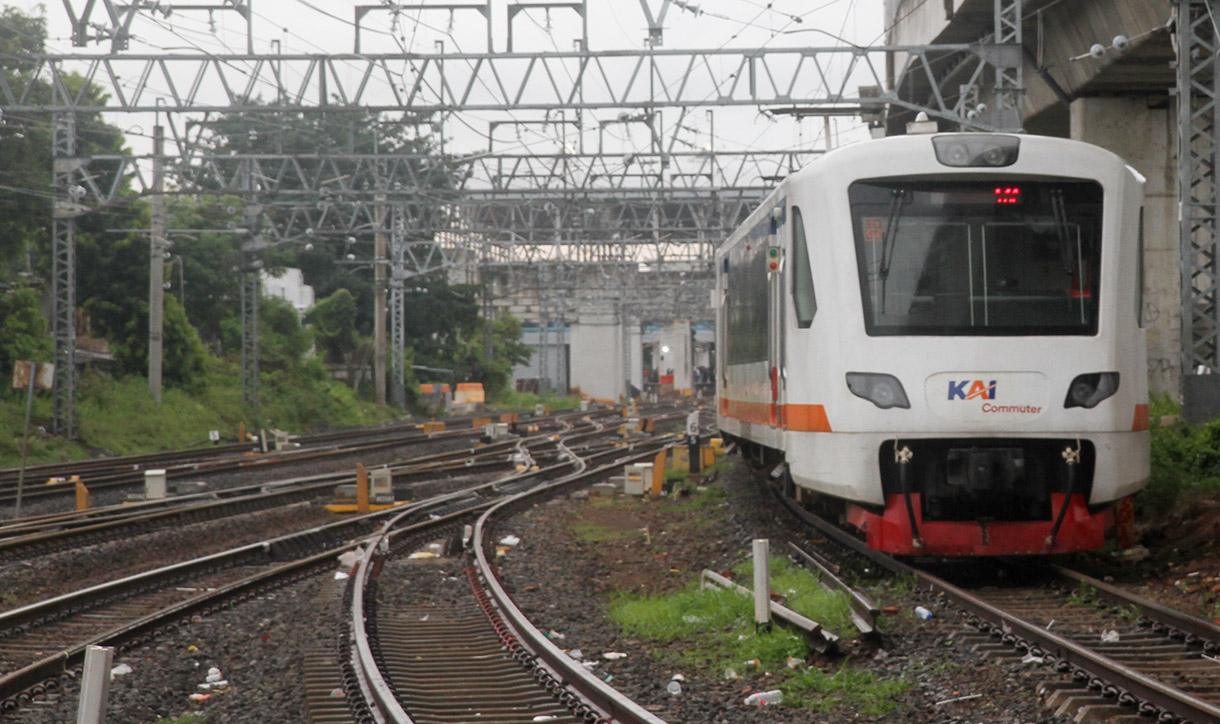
{"points": [[802, 274]]}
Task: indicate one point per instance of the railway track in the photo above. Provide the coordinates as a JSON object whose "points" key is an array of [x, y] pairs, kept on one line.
{"points": [[126, 473], [1102, 647], [44, 643], [479, 659], [52, 532]]}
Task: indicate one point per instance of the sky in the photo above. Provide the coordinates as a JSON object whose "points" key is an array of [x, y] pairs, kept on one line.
{"points": [[327, 26]]}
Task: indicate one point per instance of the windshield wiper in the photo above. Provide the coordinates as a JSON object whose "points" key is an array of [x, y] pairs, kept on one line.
{"points": [[887, 246], [1059, 210]]}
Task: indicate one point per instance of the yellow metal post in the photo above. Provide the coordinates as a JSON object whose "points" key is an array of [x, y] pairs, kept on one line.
{"points": [[658, 472], [362, 489], [82, 493]]}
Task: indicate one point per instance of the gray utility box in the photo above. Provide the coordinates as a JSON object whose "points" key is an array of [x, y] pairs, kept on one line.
{"points": [[154, 484], [637, 478], [381, 486]]}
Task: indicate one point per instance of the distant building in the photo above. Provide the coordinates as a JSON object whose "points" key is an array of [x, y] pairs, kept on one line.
{"points": [[290, 286]]}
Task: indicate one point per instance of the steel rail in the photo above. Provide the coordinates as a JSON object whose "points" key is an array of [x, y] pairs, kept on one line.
{"points": [[1061, 652], [378, 692], [615, 705]]}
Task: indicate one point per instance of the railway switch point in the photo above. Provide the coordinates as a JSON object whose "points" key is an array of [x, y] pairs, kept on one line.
{"points": [[154, 485]]}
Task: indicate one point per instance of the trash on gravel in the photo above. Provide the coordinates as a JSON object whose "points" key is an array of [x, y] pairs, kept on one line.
{"points": [[337, 693], [417, 555], [731, 674], [555, 635], [544, 717], [968, 697], [765, 698], [1109, 637], [923, 613], [1134, 553], [1031, 660], [340, 576], [613, 655], [678, 677], [200, 697], [576, 654], [674, 688], [509, 540], [120, 670]]}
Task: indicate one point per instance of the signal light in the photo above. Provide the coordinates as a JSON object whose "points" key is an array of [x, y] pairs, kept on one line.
{"points": [[774, 255]]}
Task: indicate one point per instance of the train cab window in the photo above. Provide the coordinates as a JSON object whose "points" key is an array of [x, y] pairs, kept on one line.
{"points": [[989, 257], [802, 274]]}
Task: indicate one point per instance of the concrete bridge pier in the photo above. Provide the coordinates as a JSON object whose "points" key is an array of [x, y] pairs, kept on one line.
{"points": [[1142, 129]]}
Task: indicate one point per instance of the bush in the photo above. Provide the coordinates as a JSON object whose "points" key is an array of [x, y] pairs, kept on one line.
{"points": [[1185, 459]]}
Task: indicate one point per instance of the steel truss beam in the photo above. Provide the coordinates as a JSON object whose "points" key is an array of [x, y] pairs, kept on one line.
{"points": [[1199, 196], [810, 79]]}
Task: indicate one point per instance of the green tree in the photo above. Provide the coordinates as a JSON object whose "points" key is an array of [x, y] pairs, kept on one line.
{"points": [[23, 329], [209, 262], [334, 324], [183, 356], [282, 341]]}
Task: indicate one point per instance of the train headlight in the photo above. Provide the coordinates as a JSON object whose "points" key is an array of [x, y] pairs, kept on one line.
{"points": [[976, 149], [884, 391], [1088, 390]]}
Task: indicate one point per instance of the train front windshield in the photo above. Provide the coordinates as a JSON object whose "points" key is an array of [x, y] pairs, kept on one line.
{"points": [[997, 257]]}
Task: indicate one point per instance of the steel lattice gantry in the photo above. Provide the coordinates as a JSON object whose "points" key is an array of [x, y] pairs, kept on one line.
{"points": [[1199, 197], [675, 205]]}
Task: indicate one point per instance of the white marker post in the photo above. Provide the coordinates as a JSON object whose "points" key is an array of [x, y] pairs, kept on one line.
{"points": [[95, 685], [762, 583]]}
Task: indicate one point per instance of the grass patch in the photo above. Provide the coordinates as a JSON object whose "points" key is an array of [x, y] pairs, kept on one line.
{"points": [[184, 719], [592, 533], [720, 624], [513, 400], [804, 594], [850, 689], [119, 416]]}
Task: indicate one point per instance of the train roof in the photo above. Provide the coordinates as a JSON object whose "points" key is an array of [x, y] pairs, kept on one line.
{"points": [[916, 154]]}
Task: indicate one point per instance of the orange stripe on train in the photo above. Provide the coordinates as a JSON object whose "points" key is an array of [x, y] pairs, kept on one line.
{"points": [[799, 418], [1140, 421]]}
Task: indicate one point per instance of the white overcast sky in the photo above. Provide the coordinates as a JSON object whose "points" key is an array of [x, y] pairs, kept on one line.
{"points": [[326, 26]]}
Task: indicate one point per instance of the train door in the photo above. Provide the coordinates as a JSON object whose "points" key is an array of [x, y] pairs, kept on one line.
{"points": [[775, 313]]}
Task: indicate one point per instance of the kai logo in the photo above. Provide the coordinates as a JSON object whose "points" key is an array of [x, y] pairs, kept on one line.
{"points": [[978, 390]]}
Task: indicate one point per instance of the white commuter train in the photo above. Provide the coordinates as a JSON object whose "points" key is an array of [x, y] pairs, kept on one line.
{"points": [[938, 338]]}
